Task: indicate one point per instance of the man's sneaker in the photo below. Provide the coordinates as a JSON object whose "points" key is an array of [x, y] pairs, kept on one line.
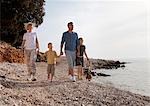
{"points": [[34, 79], [70, 77]]}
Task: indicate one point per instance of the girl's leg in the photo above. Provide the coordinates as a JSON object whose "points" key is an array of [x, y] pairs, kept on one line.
{"points": [[79, 72]]}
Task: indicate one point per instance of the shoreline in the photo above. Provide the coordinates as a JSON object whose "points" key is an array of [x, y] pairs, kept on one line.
{"points": [[61, 91]]}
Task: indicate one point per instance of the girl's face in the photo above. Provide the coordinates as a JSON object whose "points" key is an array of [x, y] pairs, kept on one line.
{"points": [[81, 41]]}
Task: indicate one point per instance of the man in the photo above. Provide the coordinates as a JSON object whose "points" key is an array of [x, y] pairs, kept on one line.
{"points": [[30, 44], [70, 39]]}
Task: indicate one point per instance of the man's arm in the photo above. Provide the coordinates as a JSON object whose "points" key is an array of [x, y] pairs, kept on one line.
{"points": [[78, 46], [62, 43]]}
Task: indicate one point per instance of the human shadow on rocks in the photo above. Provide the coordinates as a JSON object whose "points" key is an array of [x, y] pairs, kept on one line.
{"points": [[11, 83]]}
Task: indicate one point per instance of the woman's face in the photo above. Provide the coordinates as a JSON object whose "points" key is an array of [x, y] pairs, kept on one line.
{"points": [[29, 27]]}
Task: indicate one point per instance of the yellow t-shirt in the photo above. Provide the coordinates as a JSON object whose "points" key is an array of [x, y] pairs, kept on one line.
{"points": [[51, 56]]}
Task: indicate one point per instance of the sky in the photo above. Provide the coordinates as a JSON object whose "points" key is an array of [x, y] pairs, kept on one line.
{"points": [[111, 29]]}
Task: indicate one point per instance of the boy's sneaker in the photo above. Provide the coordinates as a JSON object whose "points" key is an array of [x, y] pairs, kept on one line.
{"points": [[33, 78]]}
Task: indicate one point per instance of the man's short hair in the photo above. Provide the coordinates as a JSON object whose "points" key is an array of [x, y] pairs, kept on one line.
{"points": [[70, 23], [50, 43]]}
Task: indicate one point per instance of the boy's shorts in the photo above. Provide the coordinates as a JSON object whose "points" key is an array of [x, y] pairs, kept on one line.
{"points": [[51, 69]]}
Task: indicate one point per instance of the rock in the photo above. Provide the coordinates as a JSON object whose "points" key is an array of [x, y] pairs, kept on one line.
{"points": [[106, 64], [102, 74], [2, 76], [10, 54]]}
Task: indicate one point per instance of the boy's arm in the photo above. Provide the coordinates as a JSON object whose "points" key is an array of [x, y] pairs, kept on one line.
{"points": [[45, 54], [56, 56]]}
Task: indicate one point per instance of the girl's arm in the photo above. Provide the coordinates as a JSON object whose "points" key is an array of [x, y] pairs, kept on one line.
{"points": [[86, 55]]}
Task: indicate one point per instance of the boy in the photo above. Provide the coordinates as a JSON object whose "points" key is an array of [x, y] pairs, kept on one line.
{"points": [[80, 59], [51, 56]]}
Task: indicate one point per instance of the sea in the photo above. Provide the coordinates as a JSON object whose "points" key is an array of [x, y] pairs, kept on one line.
{"points": [[135, 77]]}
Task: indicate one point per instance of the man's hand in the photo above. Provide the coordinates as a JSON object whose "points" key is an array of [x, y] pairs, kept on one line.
{"points": [[78, 54], [61, 53]]}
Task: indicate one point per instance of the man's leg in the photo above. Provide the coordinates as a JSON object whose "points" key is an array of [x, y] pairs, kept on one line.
{"points": [[69, 60], [73, 62]]}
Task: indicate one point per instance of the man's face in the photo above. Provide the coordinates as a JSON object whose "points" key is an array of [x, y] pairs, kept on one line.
{"points": [[70, 27]]}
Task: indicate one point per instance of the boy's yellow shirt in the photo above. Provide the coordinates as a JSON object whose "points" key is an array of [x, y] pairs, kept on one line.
{"points": [[51, 55]]}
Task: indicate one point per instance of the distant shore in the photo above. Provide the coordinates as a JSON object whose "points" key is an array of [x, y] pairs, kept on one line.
{"points": [[15, 90]]}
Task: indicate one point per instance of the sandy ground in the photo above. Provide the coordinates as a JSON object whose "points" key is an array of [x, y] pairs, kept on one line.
{"points": [[16, 91]]}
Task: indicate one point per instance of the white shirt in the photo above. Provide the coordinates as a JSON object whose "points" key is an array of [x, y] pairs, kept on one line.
{"points": [[30, 40]]}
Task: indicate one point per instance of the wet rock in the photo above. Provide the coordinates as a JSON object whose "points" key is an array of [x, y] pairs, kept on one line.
{"points": [[106, 64]]}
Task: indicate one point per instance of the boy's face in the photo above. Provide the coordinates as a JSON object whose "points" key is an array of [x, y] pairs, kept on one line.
{"points": [[50, 46]]}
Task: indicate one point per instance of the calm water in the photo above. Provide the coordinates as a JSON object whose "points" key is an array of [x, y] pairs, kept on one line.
{"points": [[135, 77]]}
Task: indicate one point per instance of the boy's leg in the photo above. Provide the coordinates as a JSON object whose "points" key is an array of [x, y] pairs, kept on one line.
{"points": [[48, 71], [52, 71]]}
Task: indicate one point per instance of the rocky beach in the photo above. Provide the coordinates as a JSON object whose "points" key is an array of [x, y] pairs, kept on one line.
{"points": [[15, 90]]}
